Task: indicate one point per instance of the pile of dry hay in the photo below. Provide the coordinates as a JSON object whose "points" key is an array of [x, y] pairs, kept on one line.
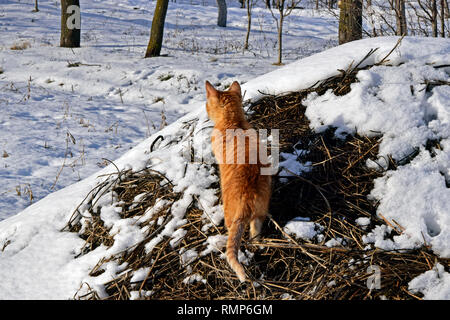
{"points": [[333, 194]]}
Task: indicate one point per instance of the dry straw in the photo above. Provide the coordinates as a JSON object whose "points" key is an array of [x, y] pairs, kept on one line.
{"points": [[333, 194]]}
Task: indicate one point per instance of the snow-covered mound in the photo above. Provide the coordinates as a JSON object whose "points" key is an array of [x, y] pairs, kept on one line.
{"points": [[405, 104]]}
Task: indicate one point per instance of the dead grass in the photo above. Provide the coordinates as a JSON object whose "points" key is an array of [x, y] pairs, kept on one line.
{"points": [[333, 194]]}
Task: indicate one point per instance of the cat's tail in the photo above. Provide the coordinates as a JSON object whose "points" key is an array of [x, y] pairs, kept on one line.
{"points": [[233, 243]]}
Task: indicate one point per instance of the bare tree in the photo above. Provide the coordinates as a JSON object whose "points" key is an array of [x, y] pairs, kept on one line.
{"points": [[413, 17], [222, 17], [433, 18], [427, 16], [350, 20], [157, 31], [249, 4], [283, 11], [434, 22], [446, 10], [318, 4], [443, 15], [400, 15], [70, 23]]}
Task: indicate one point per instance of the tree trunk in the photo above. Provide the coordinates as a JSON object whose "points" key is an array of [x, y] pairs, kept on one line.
{"points": [[434, 26], [70, 24], [443, 18], [36, 7], [267, 4], [249, 23], [402, 29], [222, 18], [350, 21], [157, 31], [280, 39], [447, 14]]}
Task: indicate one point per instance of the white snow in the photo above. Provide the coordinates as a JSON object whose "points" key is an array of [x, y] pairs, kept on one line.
{"points": [[136, 295], [302, 229], [293, 163], [433, 284], [416, 197], [188, 256], [394, 103], [37, 259], [139, 275], [215, 244], [194, 278], [335, 242], [363, 221]]}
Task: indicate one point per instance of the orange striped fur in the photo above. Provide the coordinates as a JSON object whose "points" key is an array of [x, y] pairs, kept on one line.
{"points": [[245, 192]]}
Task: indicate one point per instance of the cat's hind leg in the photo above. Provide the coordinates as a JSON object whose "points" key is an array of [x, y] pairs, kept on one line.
{"points": [[255, 227]]}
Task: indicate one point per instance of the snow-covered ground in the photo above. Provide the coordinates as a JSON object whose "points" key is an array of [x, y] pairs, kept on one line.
{"points": [[59, 121], [38, 260]]}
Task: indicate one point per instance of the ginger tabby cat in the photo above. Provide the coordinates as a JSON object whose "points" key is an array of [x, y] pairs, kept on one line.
{"points": [[245, 192]]}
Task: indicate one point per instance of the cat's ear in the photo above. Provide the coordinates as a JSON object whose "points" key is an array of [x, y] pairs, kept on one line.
{"points": [[235, 87], [210, 90]]}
